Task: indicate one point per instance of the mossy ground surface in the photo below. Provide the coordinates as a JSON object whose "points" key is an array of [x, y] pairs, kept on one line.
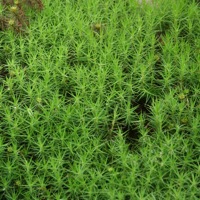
{"points": [[101, 100]]}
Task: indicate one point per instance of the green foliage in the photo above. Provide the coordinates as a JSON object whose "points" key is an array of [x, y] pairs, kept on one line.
{"points": [[101, 100]]}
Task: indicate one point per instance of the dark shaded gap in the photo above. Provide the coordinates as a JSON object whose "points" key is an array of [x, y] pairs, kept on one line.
{"points": [[4, 73], [132, 132]]}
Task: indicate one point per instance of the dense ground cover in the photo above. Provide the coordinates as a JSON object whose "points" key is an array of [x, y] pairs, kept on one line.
{"points": [[101, 100]]}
